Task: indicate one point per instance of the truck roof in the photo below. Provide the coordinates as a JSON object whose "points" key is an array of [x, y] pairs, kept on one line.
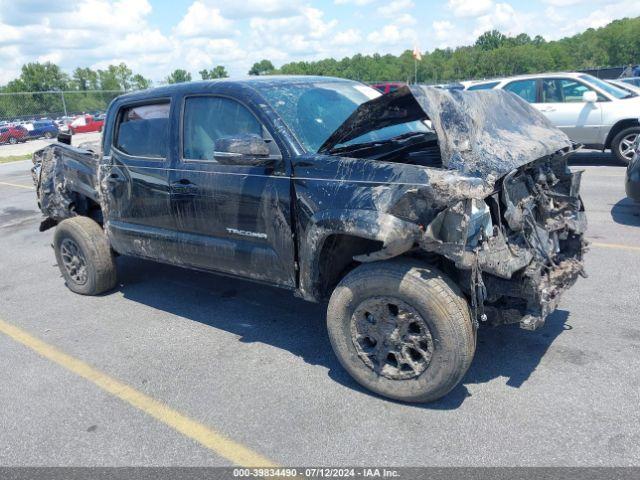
{"points": [[198, 86]]}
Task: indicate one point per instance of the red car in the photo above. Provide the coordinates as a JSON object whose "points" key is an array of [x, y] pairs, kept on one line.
{"points": [[86, 124], [387, 87], [13, 135]]}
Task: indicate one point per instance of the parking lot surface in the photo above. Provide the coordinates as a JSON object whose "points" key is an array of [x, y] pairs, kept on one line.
{"points": [[115, 380]]}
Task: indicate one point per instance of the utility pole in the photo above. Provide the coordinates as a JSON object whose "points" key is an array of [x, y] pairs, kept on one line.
{"points": [[64, 104]]}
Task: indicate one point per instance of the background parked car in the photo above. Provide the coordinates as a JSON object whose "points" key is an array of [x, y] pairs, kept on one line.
{"points": [[86, 124], [589, 110], [13, 134], [386, 87], [43, 128], [625, 86], [635, 81]]}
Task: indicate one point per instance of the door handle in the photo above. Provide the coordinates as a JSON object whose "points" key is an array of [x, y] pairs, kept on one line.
{"points": [[184, 187]]}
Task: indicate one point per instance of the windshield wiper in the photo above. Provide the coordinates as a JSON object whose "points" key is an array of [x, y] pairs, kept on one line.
{"points": [[376, 143]]}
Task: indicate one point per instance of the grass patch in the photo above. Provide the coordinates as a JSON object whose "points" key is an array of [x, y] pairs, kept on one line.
{"points": [[15, 158]]}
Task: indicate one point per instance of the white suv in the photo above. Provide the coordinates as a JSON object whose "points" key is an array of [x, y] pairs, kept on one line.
{"points": [[589, 110]]}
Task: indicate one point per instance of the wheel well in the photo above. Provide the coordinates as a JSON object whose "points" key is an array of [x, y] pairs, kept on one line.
{"points": [[618, 127], [336, 259], [87, 208]]}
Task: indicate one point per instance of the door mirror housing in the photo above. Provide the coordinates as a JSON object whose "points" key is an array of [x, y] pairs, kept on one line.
{"points": [[590, 97], [247, 149]]}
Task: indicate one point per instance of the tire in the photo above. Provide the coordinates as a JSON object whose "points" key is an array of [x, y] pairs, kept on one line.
{"points": [[13, 140], [622, 142], [424, 296], [84, 256], [48, 135]]}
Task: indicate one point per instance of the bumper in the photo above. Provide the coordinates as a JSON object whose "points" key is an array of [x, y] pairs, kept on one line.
{"points": [[518, 272]]}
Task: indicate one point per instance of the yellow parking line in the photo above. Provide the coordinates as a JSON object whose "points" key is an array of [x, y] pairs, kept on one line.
{"points": [[214, 441], [16, 185], [616, 246]]}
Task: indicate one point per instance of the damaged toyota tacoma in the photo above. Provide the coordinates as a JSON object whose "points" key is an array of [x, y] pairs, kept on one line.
{"points": [[416, 215]]}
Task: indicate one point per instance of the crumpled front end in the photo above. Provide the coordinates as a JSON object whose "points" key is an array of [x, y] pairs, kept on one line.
{"points": [[519, 249]]}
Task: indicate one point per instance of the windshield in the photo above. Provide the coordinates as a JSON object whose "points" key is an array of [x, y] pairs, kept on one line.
{"points": [[314, 110], [610, 89]]}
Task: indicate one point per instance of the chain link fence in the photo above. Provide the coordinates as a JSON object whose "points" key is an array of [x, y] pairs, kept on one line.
{"points": [[25, 106]]}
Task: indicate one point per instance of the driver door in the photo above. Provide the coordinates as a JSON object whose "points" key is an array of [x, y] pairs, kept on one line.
{"points": [[230, 217]]}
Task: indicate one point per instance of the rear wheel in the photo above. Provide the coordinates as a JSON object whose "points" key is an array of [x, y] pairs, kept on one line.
{"points": [[48, 135], [622, 144], [13, 140], [402, 330], [84, 256]]}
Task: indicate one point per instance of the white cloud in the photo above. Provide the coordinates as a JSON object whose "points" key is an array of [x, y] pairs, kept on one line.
{"points": [[503, 17], [257, 8], [201, 21], [359, 3], [443, 31], [469, 8], [393, 35], [347, 37], [395, 7]]}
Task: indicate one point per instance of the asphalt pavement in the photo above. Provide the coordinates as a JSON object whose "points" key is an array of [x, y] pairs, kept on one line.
{"points": [[176, 367]]}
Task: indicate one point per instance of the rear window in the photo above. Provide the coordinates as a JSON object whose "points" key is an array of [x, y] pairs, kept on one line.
{"points": [[143, 130]]}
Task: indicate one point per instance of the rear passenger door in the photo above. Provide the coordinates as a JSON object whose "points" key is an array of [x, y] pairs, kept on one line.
{"points": [[135, 182], [231, 217]]}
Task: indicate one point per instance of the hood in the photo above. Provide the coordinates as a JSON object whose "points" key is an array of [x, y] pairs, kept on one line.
{"points": [[480, 133]]}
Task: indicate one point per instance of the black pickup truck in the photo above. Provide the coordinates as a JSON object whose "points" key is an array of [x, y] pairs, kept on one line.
{"points": [[417, 214]]}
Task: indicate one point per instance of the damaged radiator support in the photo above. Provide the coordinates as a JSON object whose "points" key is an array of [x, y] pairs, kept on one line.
{"points": [[516, 270]]}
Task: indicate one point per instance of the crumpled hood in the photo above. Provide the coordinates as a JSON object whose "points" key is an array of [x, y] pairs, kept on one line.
{"points": [[481, 133]]}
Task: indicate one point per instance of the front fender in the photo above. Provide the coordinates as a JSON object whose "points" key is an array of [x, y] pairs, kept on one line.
{"points": [[396, 235]]}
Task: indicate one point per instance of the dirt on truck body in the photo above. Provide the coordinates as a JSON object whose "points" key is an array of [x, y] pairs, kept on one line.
{"points": [[416, 214]]}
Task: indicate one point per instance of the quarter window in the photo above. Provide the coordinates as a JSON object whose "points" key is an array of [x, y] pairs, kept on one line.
{"points": [[525, 89], [207, 119], [143, 130]]}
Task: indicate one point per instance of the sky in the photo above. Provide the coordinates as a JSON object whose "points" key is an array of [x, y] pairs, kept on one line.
{"points": [[155, 37]]}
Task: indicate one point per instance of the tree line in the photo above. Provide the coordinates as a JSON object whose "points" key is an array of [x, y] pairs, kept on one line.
{"points": [[492, 54]]}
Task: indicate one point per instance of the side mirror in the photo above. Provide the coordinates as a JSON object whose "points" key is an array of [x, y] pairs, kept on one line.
{"points": [[590, 97], [248, 149]]}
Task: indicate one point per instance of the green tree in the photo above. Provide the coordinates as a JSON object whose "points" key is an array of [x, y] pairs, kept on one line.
{"points": [[138, 82], [263, 67], [219, 71], [491, 40], [179, 76], [39, 77]]}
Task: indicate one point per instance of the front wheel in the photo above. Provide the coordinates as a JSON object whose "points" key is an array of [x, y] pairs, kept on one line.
{"points": [[13, 140], [401, 329], [48, 135], [84, 256], [622, 144]]}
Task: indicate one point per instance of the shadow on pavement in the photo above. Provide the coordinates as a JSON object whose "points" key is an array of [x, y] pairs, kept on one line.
{"points": [[626, 212], [268, 315]]}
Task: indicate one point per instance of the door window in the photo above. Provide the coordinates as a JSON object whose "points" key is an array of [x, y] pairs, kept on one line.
{"points": [[143, 130], [525, 89], [563, 90], [207, 119]]}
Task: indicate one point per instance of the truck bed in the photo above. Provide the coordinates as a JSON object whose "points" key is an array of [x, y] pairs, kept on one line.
{"points": [[66, 180]]}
